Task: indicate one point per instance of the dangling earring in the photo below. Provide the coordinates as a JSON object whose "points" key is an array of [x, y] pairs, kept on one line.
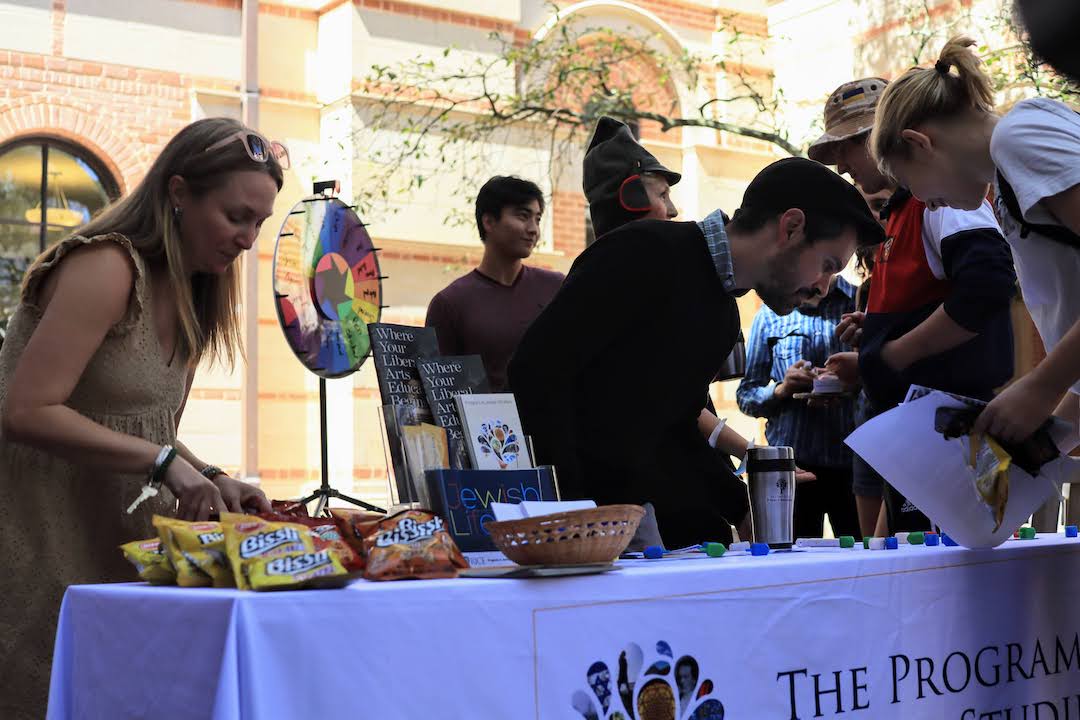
{"points": [[177, 213]]}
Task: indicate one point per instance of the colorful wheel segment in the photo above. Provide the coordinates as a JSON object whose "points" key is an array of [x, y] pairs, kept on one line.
{"points": [[327, 286]]}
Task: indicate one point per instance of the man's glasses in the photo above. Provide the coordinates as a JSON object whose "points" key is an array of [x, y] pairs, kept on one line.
{"points": [[258, 147]]}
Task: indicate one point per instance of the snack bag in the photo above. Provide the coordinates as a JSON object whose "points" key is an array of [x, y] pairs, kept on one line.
{"points": [[296, 570], [293, 508], [991, 477], [249, 538], [355, 525], [188, 573], [150, 561], [327, 533], [411, 544], [203, 543]]}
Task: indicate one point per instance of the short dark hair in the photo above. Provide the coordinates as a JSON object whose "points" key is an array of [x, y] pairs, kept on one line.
{"points": [[503, 191], [819, 225]]}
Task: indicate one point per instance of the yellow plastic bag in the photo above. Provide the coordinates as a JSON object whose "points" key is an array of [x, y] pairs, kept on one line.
{"points": [[296, 570], [150, 561], [991, 464], [249, 539]]}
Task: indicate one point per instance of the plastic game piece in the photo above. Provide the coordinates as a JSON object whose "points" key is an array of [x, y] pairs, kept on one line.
{"points": [[847, 541], [892, 543], [916, 538], [948, 541], [1027, 533], [715, 549], [932, 540], [759, 549], [1070, 531], [654, 552]]}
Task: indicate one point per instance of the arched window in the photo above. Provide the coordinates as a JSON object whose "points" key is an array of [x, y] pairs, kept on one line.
{"points": [[48, 187]]}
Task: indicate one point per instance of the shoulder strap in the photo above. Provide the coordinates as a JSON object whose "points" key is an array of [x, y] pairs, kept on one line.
{"points": [[1058, 233]]}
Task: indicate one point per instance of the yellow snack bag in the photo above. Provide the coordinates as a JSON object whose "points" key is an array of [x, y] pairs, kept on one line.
{"points": [[188, 573], [249, 538], [991, 464], [203, 543], [150, 561], [296, 570]]}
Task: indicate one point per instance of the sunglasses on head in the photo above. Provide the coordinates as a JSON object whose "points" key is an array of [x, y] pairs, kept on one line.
{"points": [[258, 147]]}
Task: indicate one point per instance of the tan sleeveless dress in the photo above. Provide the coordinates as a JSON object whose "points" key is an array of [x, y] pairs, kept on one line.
{"points": [[62, 523]]}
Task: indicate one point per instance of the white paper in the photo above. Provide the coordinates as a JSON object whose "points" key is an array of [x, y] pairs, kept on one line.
{"points": [[932, 472], [507, 511], [536, 508]]}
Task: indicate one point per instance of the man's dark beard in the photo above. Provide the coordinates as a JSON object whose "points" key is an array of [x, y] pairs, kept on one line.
{"points": [[774, 291]]}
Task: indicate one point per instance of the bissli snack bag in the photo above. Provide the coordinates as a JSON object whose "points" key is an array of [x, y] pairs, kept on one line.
{"points": [[249, 538], [321, 569], [203, 543], [293, 508], [355, 525], [150, 561], [328, 533], [411, 544], [188, 573]]}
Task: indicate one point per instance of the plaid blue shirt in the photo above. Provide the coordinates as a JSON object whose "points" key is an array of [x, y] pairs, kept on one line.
{"points": [[712, 227], [776, 342]]}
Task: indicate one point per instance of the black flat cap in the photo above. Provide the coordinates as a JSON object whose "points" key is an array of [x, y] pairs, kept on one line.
{"points": [[613, 156], [810, 186]]}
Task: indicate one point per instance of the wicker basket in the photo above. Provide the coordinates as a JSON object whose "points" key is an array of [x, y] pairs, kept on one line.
{"points": [[596, 535]]}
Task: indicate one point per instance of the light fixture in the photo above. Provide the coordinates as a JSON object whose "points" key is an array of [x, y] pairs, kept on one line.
{"points": [[62, 215]]}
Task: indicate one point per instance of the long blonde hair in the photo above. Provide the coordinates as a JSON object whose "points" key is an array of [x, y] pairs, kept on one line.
{"points": [[206, 304], [923, 94]]}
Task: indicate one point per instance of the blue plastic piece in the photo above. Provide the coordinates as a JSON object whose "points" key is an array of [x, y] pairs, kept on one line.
{"points": [[1070, 531], [892, 543], [654, 552], [946, 540], [759, 548], [932, 539]]}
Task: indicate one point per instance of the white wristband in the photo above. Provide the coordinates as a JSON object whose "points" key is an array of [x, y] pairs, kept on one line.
{"points": [[716, 432], [742, 466]]}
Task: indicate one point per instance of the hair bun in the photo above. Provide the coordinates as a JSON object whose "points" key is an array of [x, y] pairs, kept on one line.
{"points": [[943, 66]]}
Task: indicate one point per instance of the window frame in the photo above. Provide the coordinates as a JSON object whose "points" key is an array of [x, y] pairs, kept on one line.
{"points": [[44, 140]]}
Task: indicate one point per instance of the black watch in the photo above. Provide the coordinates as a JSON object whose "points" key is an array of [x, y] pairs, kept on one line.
{"points": [[211, 471]]}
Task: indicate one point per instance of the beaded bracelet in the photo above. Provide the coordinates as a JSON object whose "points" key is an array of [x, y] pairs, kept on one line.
{"points": [[161, 465]]}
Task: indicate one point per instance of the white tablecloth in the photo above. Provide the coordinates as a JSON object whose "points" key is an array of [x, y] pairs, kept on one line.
{"points": [[921, 632]]}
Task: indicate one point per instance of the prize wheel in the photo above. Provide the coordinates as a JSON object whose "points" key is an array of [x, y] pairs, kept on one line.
{"points": [[327, 287]]}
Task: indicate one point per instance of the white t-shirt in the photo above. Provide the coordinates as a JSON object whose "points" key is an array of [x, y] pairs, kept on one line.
{"points": [[945, 222], [1036, 147]]}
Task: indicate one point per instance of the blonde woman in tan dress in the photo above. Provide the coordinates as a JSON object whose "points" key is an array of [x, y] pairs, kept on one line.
{"points": [[94, 374]]}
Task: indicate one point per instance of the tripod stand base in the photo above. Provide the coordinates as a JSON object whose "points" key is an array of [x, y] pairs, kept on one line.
{"points": [[323, 494]]}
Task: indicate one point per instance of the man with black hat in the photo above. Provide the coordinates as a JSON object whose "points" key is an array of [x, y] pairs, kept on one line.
{"points": [[609, 377]]}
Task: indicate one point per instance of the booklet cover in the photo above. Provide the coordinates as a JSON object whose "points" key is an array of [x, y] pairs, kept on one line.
{"points": [[465, 500], [493, 431], [444, 378], [395, 350]]}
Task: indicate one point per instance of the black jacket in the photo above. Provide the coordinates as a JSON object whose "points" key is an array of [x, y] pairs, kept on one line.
{"points": [[611, 378]]}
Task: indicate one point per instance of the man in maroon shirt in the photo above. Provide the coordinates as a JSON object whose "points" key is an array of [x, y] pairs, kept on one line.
{"points": [[486, 312]]}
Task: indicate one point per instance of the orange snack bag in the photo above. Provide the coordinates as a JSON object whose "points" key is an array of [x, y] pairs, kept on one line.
{"points": [[411, 544]]}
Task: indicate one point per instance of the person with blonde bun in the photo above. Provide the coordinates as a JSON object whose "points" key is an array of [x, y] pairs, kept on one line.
{"points": [[937, 133]]}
